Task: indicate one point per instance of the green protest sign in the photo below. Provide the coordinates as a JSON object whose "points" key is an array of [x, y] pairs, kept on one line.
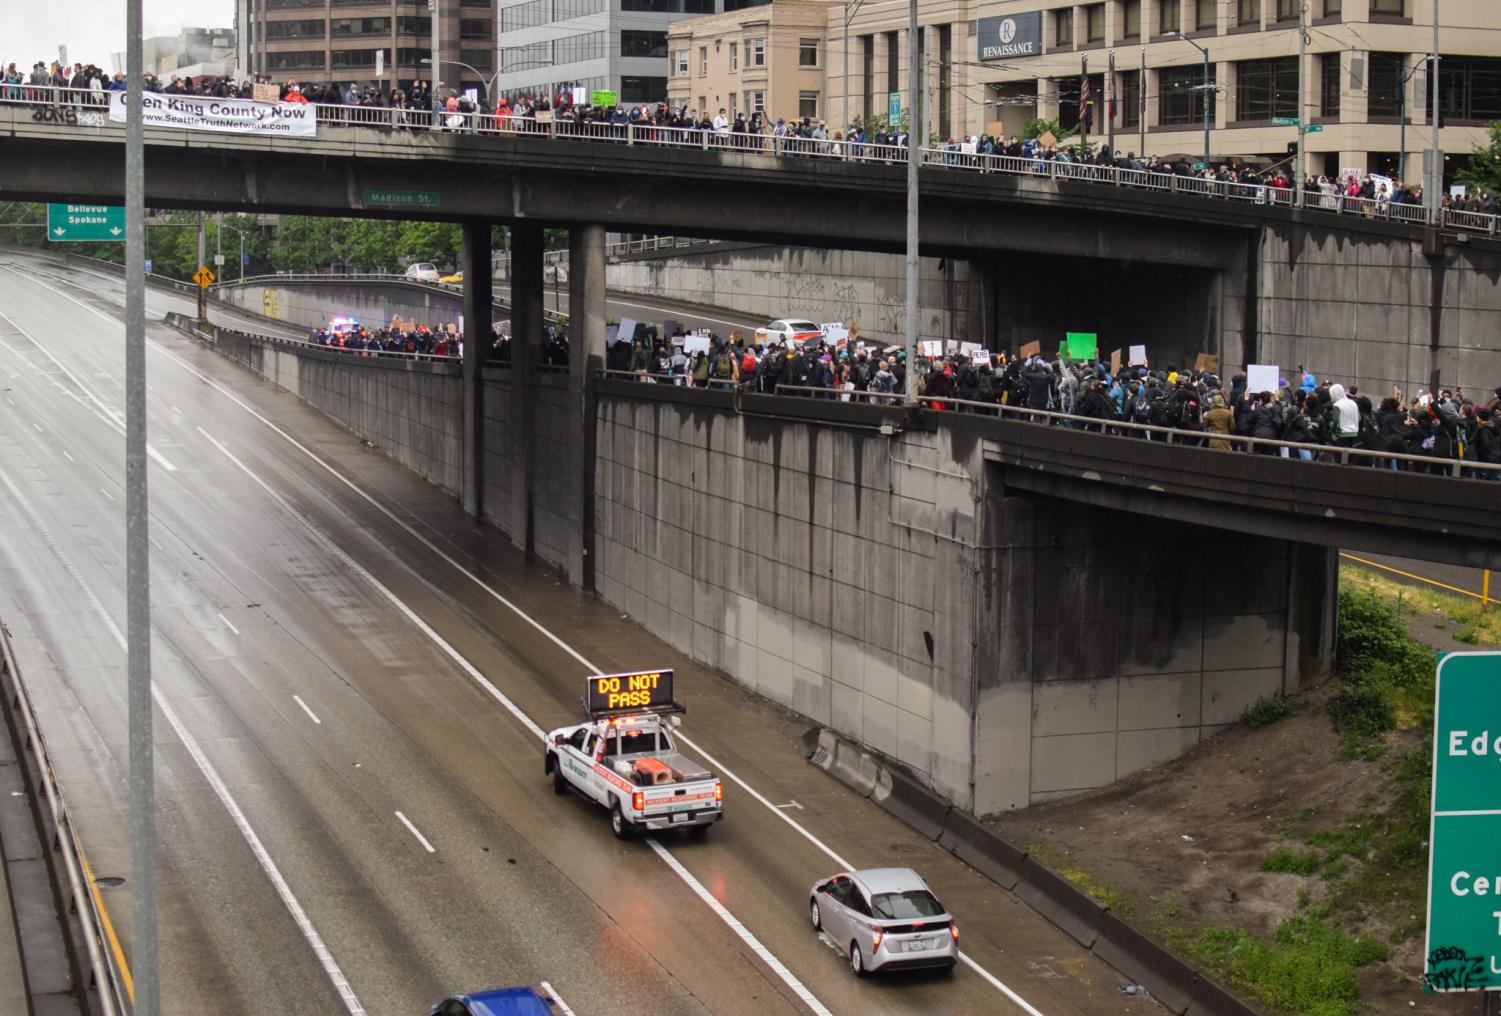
{"points": [[603, 97], [1083, 345]]}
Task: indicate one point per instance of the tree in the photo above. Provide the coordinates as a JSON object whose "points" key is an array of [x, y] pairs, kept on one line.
{"points": [[1483, 173]]}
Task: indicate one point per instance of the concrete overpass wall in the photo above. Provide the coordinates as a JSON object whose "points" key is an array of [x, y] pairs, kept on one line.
{"points": [[311, 304]]}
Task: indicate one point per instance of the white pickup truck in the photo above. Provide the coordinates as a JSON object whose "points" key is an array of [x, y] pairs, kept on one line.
{"points": [[624, 759]]}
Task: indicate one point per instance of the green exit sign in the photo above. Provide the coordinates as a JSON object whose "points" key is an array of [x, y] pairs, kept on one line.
{"points": [[85, 222], [1464, 879]]}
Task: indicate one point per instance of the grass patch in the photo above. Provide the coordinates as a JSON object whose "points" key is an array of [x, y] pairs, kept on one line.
{"points": [[1465, 613], [1307, 967], [1081, 879], [1266, 711], [1292, 862]]}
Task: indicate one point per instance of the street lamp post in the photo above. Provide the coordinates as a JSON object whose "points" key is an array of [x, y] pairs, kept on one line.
{"points": [[1205, 97], [487, 85]]}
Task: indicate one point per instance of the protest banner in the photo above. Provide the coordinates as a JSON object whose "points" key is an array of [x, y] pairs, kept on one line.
{"points": [[225, 116]]}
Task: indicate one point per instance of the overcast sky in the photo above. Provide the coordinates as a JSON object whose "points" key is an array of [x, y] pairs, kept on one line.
{"points": [[93, 29]]}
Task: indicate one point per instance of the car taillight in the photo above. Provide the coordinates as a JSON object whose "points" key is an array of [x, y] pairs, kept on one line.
{"points": [[954, 930], [638, 801], [875, 938], [718, 791]]}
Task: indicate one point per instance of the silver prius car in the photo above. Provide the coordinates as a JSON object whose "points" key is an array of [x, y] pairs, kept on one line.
{"points": [[885, 919]]}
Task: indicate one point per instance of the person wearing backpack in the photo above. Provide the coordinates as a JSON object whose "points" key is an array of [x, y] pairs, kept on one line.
{"points": [[698, 370], [861, 373], [721, 371]]}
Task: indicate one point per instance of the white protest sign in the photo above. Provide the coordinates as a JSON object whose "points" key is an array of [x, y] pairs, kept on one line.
{"points": [[932, 347], [834, 331], [979, 357], [1138, 355], [969, 348], [1262, 377], [611, 331], [229, 116], [695, 344], [627, 329]]}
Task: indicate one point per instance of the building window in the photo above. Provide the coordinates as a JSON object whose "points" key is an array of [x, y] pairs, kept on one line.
{"points": [[642, 89], [1206, 16], [703, 61], [298, 60], [734, 57], [755, 102], [868, 73], [647, 44], [472, 28], [1170, 17], [1131, 99], [1266, 88], [1329, 85], [1469, 88], [755, 52], [703, 104], [573, 48], [1333, 8], [1248, 12], [893, 62], [567, 10], [414, 26], [1384, 87], [734, 104], [353, 58], [477, 58], [1287, 10], [807, 105], [358, 26], [682, 63], [310, 29], [1180, 99], [669, 6], [1063, 26], [1391, 8], [807, 52], [1094, 23], [1131, 19]]}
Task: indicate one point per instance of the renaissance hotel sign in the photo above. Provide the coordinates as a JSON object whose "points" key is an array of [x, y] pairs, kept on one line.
{"points": [[1011, 36]]}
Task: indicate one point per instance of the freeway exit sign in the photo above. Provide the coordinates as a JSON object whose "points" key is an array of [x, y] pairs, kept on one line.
{"points": [[1464, 876], [85, 222]]}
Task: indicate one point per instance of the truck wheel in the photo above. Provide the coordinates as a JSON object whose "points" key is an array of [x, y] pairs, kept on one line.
{"points": [[559, 785], [617, 823]]}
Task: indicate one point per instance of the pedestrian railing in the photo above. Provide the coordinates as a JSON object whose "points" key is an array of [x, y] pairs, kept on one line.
{"points": [[546, 126], [105, 974], [1295, 450]]}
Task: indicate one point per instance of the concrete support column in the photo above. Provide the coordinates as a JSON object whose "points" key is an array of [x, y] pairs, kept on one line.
{"points": [[474, 262], [526, 353], [1312, 612], [586, 343]]}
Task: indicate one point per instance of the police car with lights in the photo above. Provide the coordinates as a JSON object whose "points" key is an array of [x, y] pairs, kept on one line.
{"points": [[624, 759]]}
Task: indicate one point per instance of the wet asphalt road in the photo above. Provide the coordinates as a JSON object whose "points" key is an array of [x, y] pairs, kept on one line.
{"points": [[332, 641]]}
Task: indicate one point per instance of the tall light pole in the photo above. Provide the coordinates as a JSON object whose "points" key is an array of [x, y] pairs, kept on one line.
{"points": [[1205, 89], [1300, 169], [432, 7], [1434, 172], [914, 157], [143, 941]]}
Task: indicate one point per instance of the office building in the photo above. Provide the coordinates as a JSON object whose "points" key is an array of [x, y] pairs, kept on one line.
{"points": [[992, 66], [191, 53], [337, 41]]}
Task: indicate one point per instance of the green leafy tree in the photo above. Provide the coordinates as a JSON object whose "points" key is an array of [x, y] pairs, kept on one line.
{"points": [[1483, 173]]}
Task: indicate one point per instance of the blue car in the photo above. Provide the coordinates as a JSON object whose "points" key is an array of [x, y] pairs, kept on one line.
{"points": [[495, 1002]]}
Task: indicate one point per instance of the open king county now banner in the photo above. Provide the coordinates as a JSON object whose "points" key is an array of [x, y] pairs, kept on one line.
{"points": [[232, 116]]}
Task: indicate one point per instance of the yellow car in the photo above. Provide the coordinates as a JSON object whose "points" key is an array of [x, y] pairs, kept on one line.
{"points": [[456, 279]]}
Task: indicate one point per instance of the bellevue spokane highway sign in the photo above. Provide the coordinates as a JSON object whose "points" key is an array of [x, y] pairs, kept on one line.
{"points": [[85, 222], [1464, 860]]}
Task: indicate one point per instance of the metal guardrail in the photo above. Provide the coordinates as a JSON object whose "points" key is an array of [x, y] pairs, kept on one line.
{"points": [[106, 978], [293, 278], [64, 105], [1172, 435], [645, 244]]}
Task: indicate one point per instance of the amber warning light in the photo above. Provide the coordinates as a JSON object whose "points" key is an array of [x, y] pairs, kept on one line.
{"points": [[613, 693]]}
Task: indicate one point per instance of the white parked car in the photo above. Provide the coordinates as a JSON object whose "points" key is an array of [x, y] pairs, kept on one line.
{"points": [[793, 331], [423, 271], [884, 919]]}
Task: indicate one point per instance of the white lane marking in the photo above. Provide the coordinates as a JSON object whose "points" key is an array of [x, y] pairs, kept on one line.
{"points": [[10, 400], [38, 426], [106, 494], [229, 624], [109, 416], [67, 456], [791, 804], [414, 831], [309, 933], [523, 615], [739, 929], [310, 714], [468, 668], [557, 999], [158, 546]]}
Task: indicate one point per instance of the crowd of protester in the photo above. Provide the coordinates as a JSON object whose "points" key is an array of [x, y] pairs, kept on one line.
{"points": [[1198, 407], [444, 340]]}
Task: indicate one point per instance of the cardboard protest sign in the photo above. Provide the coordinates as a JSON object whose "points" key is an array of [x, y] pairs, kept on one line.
{"points": [[1047, 139], [1138, 355], [1115, 361], [1083, 345], [1031, 349], [265, 93], [1261, 377], [1207, 361]]}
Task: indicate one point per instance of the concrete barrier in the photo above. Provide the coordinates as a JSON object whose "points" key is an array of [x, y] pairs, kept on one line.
{"points": [[1180, 988], [910, 801]]}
